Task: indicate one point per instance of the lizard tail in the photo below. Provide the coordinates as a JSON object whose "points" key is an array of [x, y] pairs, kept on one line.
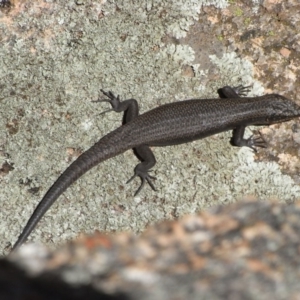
{"points": [[107, 147]]}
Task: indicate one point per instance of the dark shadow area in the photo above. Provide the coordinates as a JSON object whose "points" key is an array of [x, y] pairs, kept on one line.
{"points": [[15, 285]]}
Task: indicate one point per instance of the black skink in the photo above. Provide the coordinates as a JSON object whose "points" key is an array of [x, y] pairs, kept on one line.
{"points": [[170, 124]]}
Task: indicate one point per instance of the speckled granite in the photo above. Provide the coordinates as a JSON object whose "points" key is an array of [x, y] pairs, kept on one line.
{"points": [[54, 58], [56, 55]]}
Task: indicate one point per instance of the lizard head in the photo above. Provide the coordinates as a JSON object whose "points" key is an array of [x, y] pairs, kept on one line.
{"points": [[282, 109]]}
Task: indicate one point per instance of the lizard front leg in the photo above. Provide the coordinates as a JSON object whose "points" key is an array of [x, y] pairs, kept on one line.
{"points": [[238, 133]]}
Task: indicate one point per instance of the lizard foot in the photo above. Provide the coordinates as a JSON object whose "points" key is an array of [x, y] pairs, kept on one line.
{"points": [[253, 142], [144, 177], [113, 100], [242, 90]]}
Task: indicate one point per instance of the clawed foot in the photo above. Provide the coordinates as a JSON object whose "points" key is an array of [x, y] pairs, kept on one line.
{"points": [[144, 177], [257, 141], [113, 101], [242, 90], [111, 96]]}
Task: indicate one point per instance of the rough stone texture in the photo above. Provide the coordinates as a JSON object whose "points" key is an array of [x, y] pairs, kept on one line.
{"points": [[54, 57], [249, 250], [268, 36]]}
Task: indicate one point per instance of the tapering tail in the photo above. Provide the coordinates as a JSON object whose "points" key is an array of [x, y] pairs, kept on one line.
{"points": [[107, 147]]}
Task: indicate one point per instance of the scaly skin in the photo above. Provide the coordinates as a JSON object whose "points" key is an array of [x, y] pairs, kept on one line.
{"points": [[170, 124]]}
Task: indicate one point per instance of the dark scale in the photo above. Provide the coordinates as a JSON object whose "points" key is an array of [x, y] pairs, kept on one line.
{"points": [[170, 124]]}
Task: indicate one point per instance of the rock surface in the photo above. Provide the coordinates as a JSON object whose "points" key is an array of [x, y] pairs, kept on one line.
{"points": [[248, 250]]}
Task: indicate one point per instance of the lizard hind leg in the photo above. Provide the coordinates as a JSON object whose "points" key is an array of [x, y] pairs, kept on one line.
{"points": [[142, 170]]}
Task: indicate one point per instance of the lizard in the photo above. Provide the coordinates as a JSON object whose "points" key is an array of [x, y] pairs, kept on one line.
{"points": [[169, 124]]}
